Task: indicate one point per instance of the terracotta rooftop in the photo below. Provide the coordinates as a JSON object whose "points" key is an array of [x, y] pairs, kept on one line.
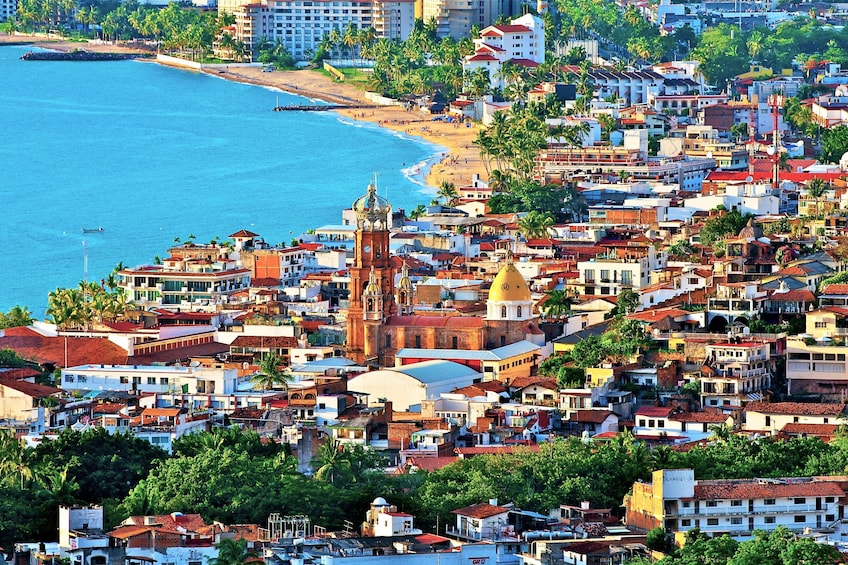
{"points": [[30, 389], [741, 490], [481, 510], [590, 416], [33, 346], [700, 417], [825, 430], [796, 408]]}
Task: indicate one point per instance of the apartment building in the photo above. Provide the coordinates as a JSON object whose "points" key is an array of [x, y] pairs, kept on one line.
{"points": [[816, 366], [183, 283], [8, 9], [675, 501], [301, 25], [628, 266], [522, 42], [736, 372], [455, 18]]}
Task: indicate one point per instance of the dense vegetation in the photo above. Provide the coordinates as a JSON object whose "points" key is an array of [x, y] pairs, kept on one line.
{"points": [[233, 476]]}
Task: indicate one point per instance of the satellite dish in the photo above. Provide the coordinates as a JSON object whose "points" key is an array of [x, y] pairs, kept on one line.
{"points": [[770, 150], [194, 364], [749, 178], [709, 154]]}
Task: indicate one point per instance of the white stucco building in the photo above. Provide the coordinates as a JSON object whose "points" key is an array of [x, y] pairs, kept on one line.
{"points": [[409, 385]]}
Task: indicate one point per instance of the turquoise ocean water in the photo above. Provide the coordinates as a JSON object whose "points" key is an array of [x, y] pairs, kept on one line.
{"points": [[151, 153]]}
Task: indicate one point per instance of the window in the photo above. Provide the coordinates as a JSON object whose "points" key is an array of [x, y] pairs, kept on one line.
{"points": [[686, 522], [800, 519], [151, 380], [455, 342], [590, 275], [711, 504], [768, 501], [503, 311], [124, 380], [686, 504], [69, 378], [163, 381], [136, 380], [829, 517], [642, 423], [769, 520], [830, 499], [388, 341], [418, 342], [712, 521], [736, 521], [736, 503], [800, 501], [518, 311]]}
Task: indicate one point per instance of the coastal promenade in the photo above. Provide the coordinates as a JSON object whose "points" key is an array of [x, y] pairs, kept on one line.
{"points": [[458, 163]]}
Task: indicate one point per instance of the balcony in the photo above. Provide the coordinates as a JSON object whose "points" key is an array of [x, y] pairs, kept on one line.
{"points": [[742, 511]]}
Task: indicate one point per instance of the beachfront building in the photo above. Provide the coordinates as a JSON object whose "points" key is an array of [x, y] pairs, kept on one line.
{"points": [[521, 42], [455, 18], [8, 9], [301, 25], [184, 283]]}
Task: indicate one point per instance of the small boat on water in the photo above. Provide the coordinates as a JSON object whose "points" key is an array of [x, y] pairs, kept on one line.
{"points": [[93, 230]]}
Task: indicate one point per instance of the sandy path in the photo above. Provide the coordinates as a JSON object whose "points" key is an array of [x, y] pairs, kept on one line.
{"points": [[460, 161]]}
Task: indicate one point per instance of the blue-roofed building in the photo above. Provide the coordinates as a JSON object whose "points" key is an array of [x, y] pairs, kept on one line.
{"points": [[405, 387]]}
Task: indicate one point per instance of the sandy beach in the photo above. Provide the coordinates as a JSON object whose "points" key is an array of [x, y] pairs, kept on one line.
{"points": [[458, 163]]}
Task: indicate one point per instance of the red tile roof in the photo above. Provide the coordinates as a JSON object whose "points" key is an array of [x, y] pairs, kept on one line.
{"points": [[29, 389], [741, 490], [590, 416], [796, 408], [243, 233], [430, 463], [654, 411], [31, 345], [835, 290], [700, 417], [481, 510], [797, 295], [825, 430]]}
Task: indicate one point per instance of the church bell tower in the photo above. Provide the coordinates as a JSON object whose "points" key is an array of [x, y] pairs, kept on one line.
{"points": [[371, 278]]}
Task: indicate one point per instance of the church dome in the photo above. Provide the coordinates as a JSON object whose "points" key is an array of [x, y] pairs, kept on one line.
{"points": [[509, 285], [371, 209], [750, 231]]}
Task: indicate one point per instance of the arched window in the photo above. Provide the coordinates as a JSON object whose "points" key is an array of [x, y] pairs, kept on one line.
{"points": [[518, 312], [370, 304], [503, 311]]}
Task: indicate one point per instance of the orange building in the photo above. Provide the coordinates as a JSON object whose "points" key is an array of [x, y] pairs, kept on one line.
{"points": [[381, 320]]}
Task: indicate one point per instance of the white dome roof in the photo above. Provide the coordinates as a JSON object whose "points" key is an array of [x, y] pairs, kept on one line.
{"points": [[379, 501]]}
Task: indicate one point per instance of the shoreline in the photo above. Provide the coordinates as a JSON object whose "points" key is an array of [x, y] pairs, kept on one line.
{"points": [[456, 161]]}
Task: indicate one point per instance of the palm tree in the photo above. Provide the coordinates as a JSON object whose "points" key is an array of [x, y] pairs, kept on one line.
{"points": [[14, 459], [417, 212], [817, 188], [332, 461], [447, 191], [270, 375], [558, 303], [233, 552], [536, 224]]}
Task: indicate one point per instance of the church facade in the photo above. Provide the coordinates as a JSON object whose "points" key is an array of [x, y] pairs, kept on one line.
{"points": [[381, 319]]}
